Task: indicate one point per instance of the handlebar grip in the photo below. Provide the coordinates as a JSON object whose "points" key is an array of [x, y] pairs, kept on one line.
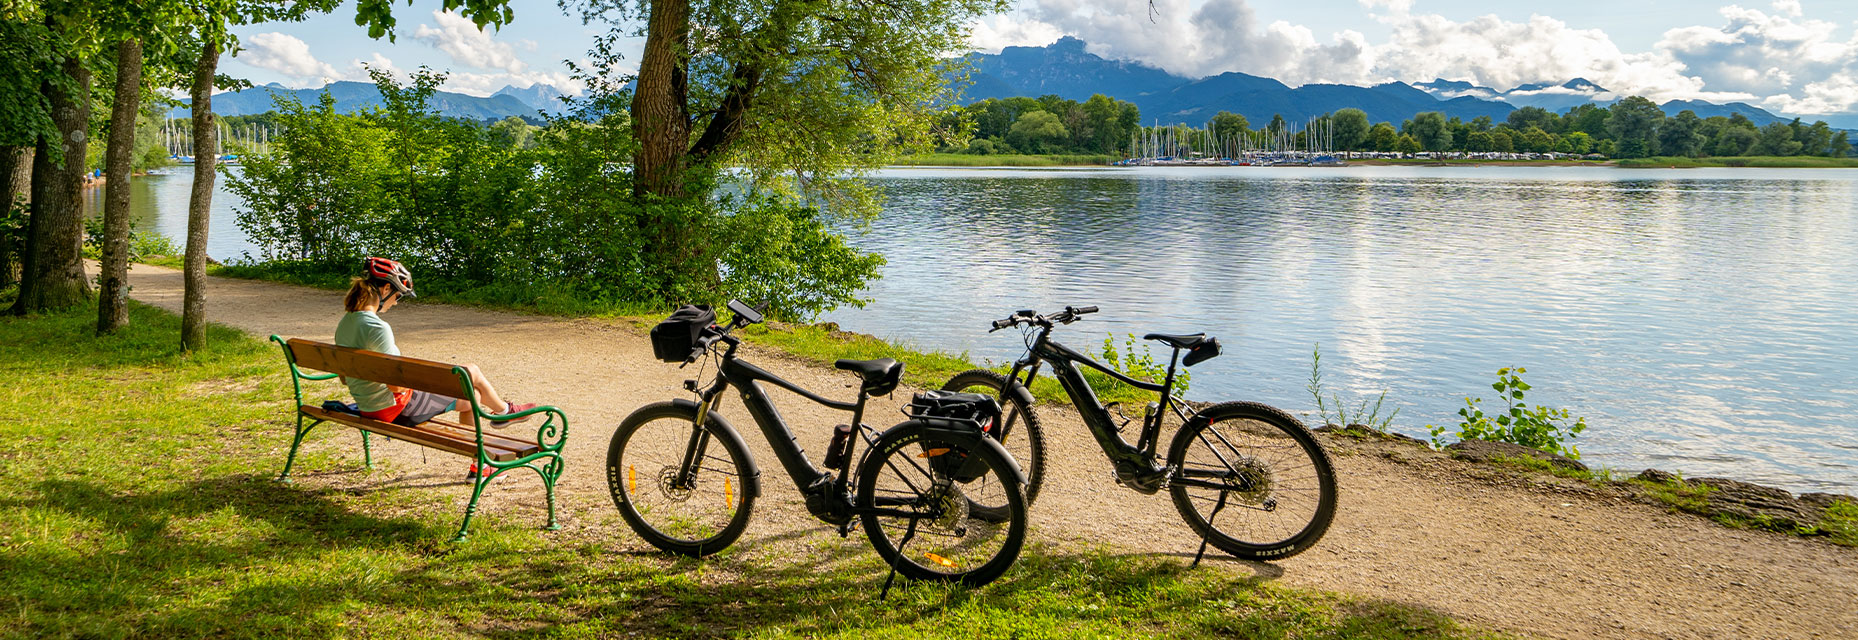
{"points": [[1083, 310], [1002, 324]]}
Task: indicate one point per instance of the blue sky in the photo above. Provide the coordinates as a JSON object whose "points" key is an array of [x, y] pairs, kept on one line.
{"points": [[1789, 56]]}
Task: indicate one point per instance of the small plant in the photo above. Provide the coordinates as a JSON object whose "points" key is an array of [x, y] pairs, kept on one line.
{"points": [[1136, 361], [1331, 404], [1538, 428]]}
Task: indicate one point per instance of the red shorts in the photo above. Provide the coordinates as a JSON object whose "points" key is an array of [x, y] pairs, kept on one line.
{"points": [[413, 407]]}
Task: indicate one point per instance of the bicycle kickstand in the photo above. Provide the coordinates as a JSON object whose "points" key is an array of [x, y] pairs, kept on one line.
{"points": [[1209, 529], [907, 534]]}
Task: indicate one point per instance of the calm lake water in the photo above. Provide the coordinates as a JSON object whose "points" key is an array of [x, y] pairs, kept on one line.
{"points": [[1703, 321]]}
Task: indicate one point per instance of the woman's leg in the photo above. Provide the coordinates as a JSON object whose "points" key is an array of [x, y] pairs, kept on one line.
{"points": [[486, 397]]}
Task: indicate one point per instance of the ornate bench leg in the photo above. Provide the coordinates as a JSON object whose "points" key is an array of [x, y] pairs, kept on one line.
{"points": [[477, 491], [551, 472], [295, 442]]}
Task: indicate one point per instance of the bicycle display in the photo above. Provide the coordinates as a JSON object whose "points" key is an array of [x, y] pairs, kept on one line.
{"points": [[1247, 477], [683, 478]]}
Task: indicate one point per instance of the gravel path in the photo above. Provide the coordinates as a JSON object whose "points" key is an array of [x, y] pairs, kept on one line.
{"points": [[1549, 560]]}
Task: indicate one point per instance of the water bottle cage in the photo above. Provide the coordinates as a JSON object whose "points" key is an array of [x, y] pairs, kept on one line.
{"points": [[1116, 408]]}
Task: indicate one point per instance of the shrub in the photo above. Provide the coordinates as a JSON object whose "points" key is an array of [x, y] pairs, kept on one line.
{"points": [[1334, 410], [1539, 428]]}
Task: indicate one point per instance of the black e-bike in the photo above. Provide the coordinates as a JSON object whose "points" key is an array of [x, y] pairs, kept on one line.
{"points": [[683, 479], [1247, 477]]}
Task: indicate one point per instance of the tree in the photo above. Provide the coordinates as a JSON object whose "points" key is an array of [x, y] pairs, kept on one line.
{"points": [[1383, 137], [1680, 136], [797, 93], [1479, 141], [1351, 128], [1634, 127], [52, 275], [1816, 140], [1501, 140], [1735, 141], [1522, 119], [1840, 147], [1587, 118], [1408, 145], [1277, 123], [1579, 142], [1034, 131], [1226, 123], [113, 293], [1777, 139], [1432, 131]]}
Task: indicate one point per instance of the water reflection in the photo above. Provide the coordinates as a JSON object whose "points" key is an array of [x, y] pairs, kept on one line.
{"points": [[1700, 319]]}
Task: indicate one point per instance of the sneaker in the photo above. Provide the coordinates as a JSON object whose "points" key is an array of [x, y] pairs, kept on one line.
{"points": [[513, 408], [472, 474]]}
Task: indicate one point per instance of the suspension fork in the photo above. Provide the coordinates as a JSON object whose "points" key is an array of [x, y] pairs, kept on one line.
{"points": [[699, 437]]}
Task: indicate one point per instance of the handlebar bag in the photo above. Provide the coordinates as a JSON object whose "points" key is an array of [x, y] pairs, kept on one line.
{"points": [[676, 337], [961, 410]]}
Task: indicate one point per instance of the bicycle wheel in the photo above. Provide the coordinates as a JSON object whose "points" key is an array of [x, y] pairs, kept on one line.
{"points": [[1252, 481], [684, 490], [1021, 434], [917, 515]]}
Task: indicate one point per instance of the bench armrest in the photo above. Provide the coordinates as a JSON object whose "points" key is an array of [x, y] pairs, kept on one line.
{"points": [[550, 434]]}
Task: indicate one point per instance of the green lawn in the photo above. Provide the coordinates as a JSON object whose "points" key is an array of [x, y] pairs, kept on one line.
{"points": [[136, 499]]}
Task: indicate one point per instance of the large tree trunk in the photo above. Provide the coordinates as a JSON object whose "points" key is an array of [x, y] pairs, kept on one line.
{"points": [[660, 116], [15, 180], [113, 297], [54, 272], [206, 156]]}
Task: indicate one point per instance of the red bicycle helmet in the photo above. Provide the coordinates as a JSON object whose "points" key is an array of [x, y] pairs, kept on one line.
{"points": [[393, 272]]}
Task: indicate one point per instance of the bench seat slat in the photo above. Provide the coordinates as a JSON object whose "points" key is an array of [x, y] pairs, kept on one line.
{"points": [[443, 438], [491, 437]]}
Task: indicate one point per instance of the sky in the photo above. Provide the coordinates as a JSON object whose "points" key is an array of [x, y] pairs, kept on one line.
{"points": [[1797, 57]]}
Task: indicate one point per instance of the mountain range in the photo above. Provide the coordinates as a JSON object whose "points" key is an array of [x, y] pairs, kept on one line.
{"points": [[1066, 69], [354, 96]]}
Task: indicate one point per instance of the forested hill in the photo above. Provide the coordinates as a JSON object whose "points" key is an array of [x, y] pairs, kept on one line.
{"points": [[354, 96], [1065, 69]]}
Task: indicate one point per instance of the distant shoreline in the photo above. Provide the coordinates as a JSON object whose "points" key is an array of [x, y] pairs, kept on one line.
{"points": [[1754, 162]]}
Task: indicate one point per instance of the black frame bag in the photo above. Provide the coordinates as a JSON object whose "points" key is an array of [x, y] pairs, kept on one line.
{"points": [[674, 339]]}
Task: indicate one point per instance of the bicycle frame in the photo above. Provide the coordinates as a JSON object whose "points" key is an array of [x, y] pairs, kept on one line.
{"points": [[1138, 458]]}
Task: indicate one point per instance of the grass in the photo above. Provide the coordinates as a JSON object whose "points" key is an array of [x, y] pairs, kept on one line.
{"points": [[1841, 523], [136, 499], [1773, 162], [1004, 160]]}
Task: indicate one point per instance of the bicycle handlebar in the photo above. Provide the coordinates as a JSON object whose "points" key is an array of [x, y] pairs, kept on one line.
{"points": [[1027, 316]]}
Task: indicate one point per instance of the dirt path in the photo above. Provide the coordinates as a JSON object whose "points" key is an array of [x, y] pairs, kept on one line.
{"points": [[1412, 528]]}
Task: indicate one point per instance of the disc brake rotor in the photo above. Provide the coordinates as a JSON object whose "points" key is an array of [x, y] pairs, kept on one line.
{"points": [[667, 484], [953, 505]]}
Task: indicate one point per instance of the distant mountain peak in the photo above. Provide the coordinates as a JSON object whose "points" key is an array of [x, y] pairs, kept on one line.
{"points": [[542, 97], [1583, 84]]}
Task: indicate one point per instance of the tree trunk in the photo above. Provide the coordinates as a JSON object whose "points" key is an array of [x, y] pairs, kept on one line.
{"points": [[54, 277], [206, 156], [15, 180], [660, 117], [113, 297]]}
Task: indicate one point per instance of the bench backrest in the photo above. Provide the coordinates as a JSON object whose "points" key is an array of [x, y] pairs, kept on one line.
{"points": [[398, 371]]}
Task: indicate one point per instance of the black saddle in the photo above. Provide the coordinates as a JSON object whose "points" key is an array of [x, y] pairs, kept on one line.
{"points": [[1179, 342], [880, 375], [1199, 347]]}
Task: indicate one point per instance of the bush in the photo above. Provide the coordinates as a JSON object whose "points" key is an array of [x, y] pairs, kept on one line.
{"points": [[547, 220], [1538, 428], [1332, 409]]}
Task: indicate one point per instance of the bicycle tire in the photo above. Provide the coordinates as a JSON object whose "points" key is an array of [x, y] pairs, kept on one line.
{"points": [[1025, 437], [658, 518], [1262, 477], [949, 543]]}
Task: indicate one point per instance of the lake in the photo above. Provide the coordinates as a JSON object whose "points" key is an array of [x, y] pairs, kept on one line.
{"points": [[1703, 321]]}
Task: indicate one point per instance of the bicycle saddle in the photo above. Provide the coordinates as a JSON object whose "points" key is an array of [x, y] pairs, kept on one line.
{"points": [[1179, 342], [880, 375]]}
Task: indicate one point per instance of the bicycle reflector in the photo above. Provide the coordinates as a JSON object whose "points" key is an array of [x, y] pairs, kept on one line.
{"points": [[941, 560]]}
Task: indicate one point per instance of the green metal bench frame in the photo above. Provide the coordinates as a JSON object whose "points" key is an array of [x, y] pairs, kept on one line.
{"points": [[545, 461]]}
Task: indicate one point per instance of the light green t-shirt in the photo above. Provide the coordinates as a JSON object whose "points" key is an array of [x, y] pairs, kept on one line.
{"points": [[364, 330]]}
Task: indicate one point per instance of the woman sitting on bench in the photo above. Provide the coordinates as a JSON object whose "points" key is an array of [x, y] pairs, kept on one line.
{"points": [[382, 283]]}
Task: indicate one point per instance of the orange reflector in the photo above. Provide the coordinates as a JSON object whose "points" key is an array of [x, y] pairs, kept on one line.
{"points": [[632, 480], [728, 493], [940, 560], [932, 453]]}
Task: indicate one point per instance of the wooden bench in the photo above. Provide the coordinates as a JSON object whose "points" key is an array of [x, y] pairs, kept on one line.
{"points": [[494, 452]]}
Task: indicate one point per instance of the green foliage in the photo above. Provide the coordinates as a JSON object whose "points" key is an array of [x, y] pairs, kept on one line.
{"points": [[1136, 360], [1840, 522], [1100, 125], [1334, 410], [479, 214], [1539, 428]]}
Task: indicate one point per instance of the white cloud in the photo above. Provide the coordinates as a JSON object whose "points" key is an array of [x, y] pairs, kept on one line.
{"points": [[286, 55], [1763, 54], [358, 68], [1218, 36], [484, 84], [1000, 32], [458, 37]]}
